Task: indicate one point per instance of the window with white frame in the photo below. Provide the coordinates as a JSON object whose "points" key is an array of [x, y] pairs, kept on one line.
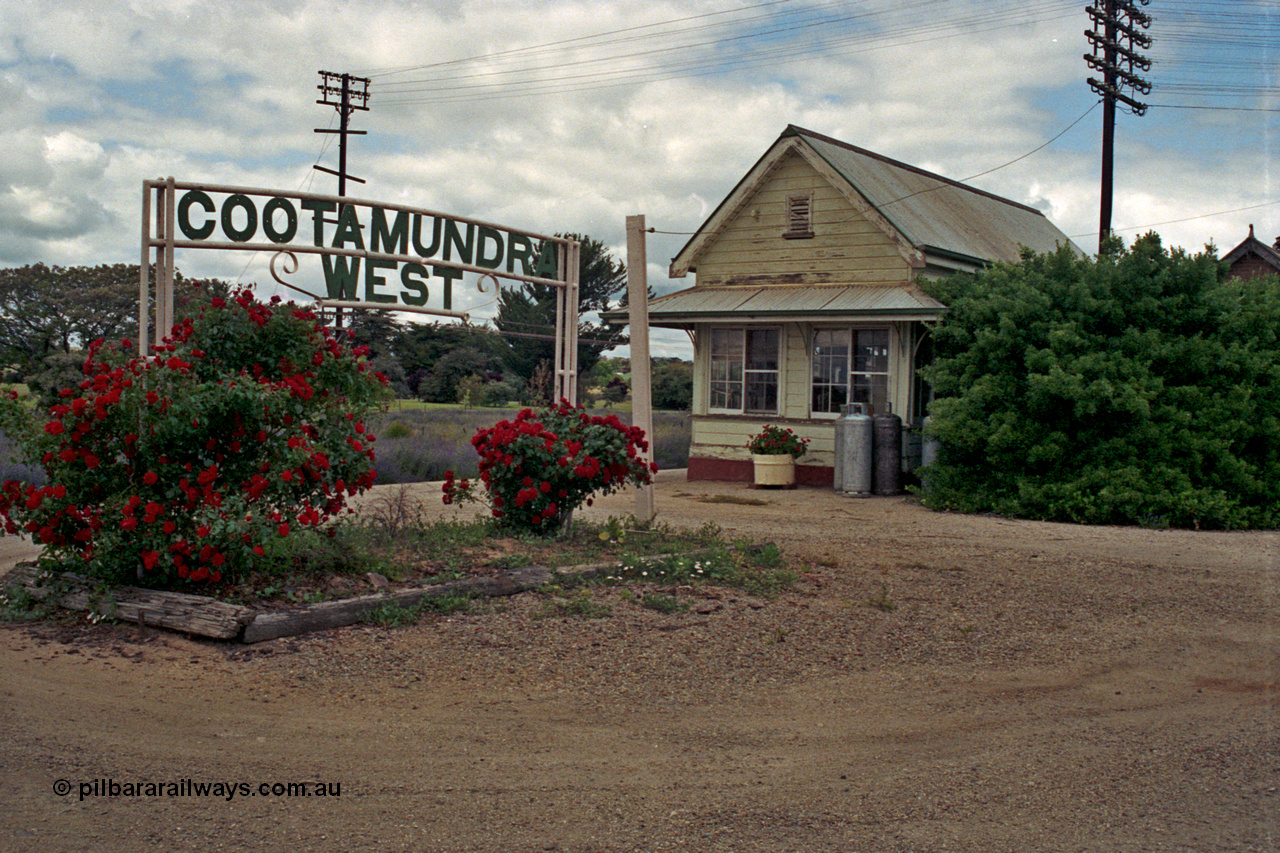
{"points": [[744, 371], [850, 366]]}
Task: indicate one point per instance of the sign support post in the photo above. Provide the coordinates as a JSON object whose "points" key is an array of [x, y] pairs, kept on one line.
{"points": [[638, 317]]}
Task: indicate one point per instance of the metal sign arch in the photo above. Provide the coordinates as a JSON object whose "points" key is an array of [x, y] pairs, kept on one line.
{"points": [[193, 219]]}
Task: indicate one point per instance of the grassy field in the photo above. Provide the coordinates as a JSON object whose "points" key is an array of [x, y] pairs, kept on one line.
{"points": [[420, 441]]}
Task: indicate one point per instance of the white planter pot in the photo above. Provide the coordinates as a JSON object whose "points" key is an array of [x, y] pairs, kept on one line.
{"points": [[774, 470]]}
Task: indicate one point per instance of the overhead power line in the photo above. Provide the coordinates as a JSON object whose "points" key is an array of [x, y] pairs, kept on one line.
{"points": [[1187, 218], [674, 54], [1208, 53], [520, 51]]}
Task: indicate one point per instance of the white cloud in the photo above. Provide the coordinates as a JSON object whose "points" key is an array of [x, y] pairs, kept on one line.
{"points": [[96, 97]]}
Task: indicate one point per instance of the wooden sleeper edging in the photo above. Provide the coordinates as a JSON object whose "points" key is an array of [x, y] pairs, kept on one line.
{"points": [[348, 611], [203, 616]]}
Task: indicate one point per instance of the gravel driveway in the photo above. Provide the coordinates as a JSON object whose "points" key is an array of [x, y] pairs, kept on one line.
{"points": [[935, 682]]}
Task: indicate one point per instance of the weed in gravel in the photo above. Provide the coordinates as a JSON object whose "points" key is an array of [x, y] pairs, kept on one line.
{"points": [[882, 602], [340, 550], [756, 571], [667, 604], [767, 556], [511, 561], [732, 499], [578, 603], [454, 602], [392, 614]]}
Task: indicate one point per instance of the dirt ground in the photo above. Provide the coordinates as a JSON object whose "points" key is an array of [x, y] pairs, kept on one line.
{"points": [[935, 682]]}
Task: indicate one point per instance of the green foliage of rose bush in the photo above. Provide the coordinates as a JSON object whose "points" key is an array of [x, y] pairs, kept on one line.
{"points": [[1140, 386], [191, 465], [543, 465]]}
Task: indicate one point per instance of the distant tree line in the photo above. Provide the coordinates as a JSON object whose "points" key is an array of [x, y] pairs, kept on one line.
{"points": [[49, 314]]}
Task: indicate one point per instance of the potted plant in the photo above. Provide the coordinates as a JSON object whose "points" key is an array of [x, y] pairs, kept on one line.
{"points": [[774, 451]]}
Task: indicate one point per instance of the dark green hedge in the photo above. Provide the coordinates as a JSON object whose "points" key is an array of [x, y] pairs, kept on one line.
{"points": [[1140, 386]]}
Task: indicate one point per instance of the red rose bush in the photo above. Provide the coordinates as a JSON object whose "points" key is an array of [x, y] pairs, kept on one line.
{"points": [[538, 469], [189, 465]]}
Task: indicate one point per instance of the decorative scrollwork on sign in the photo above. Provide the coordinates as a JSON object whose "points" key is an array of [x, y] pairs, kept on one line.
{"points": [[289, 267], [497, 291]]}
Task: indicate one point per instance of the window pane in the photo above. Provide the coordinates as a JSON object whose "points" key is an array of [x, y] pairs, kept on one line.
{"points": [[830, 370], [873, 390], [762, 393], [831, 342], [726, 395], [726, 369], [726, 354], [762, 349], [821, 398], [871, 352], [839, 396], [726, 343]]}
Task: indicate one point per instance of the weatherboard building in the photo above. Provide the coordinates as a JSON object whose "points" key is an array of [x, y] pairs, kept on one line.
{"points": [[807, 297]]}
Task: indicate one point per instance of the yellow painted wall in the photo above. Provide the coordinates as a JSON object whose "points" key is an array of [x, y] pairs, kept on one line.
{"points": [[846, 246]]}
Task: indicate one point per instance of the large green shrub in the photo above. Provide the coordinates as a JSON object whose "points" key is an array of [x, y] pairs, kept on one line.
{"points": [[191, 464], [1137, 387]]}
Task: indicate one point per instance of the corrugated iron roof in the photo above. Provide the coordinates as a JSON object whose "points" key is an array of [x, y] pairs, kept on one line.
{"points": [[935, 212], [735, 303], [960, 227]]}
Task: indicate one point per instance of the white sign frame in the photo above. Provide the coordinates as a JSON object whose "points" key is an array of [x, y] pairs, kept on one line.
{"points": [[160, 235]]}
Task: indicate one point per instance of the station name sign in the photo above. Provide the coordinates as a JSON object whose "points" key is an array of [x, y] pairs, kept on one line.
{"points": [[372, 253]]}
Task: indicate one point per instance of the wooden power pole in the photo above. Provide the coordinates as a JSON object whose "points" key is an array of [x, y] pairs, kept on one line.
{"points": [[1117, 26], [346, 94]]}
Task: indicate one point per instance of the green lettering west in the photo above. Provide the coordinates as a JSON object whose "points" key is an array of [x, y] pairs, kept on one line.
{"points": [[373, 280], [413, 280], [341, 276], [449, 275]]}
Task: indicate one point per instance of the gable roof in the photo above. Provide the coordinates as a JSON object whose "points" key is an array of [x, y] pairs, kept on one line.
{"points": [[1269, 255], [933, 219]]}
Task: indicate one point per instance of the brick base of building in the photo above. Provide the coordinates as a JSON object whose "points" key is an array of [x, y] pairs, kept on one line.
{"points": [[742, 471]]}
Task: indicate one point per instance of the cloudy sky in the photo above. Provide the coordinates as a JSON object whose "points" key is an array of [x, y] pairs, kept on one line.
{"points": [[569, 115]]}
